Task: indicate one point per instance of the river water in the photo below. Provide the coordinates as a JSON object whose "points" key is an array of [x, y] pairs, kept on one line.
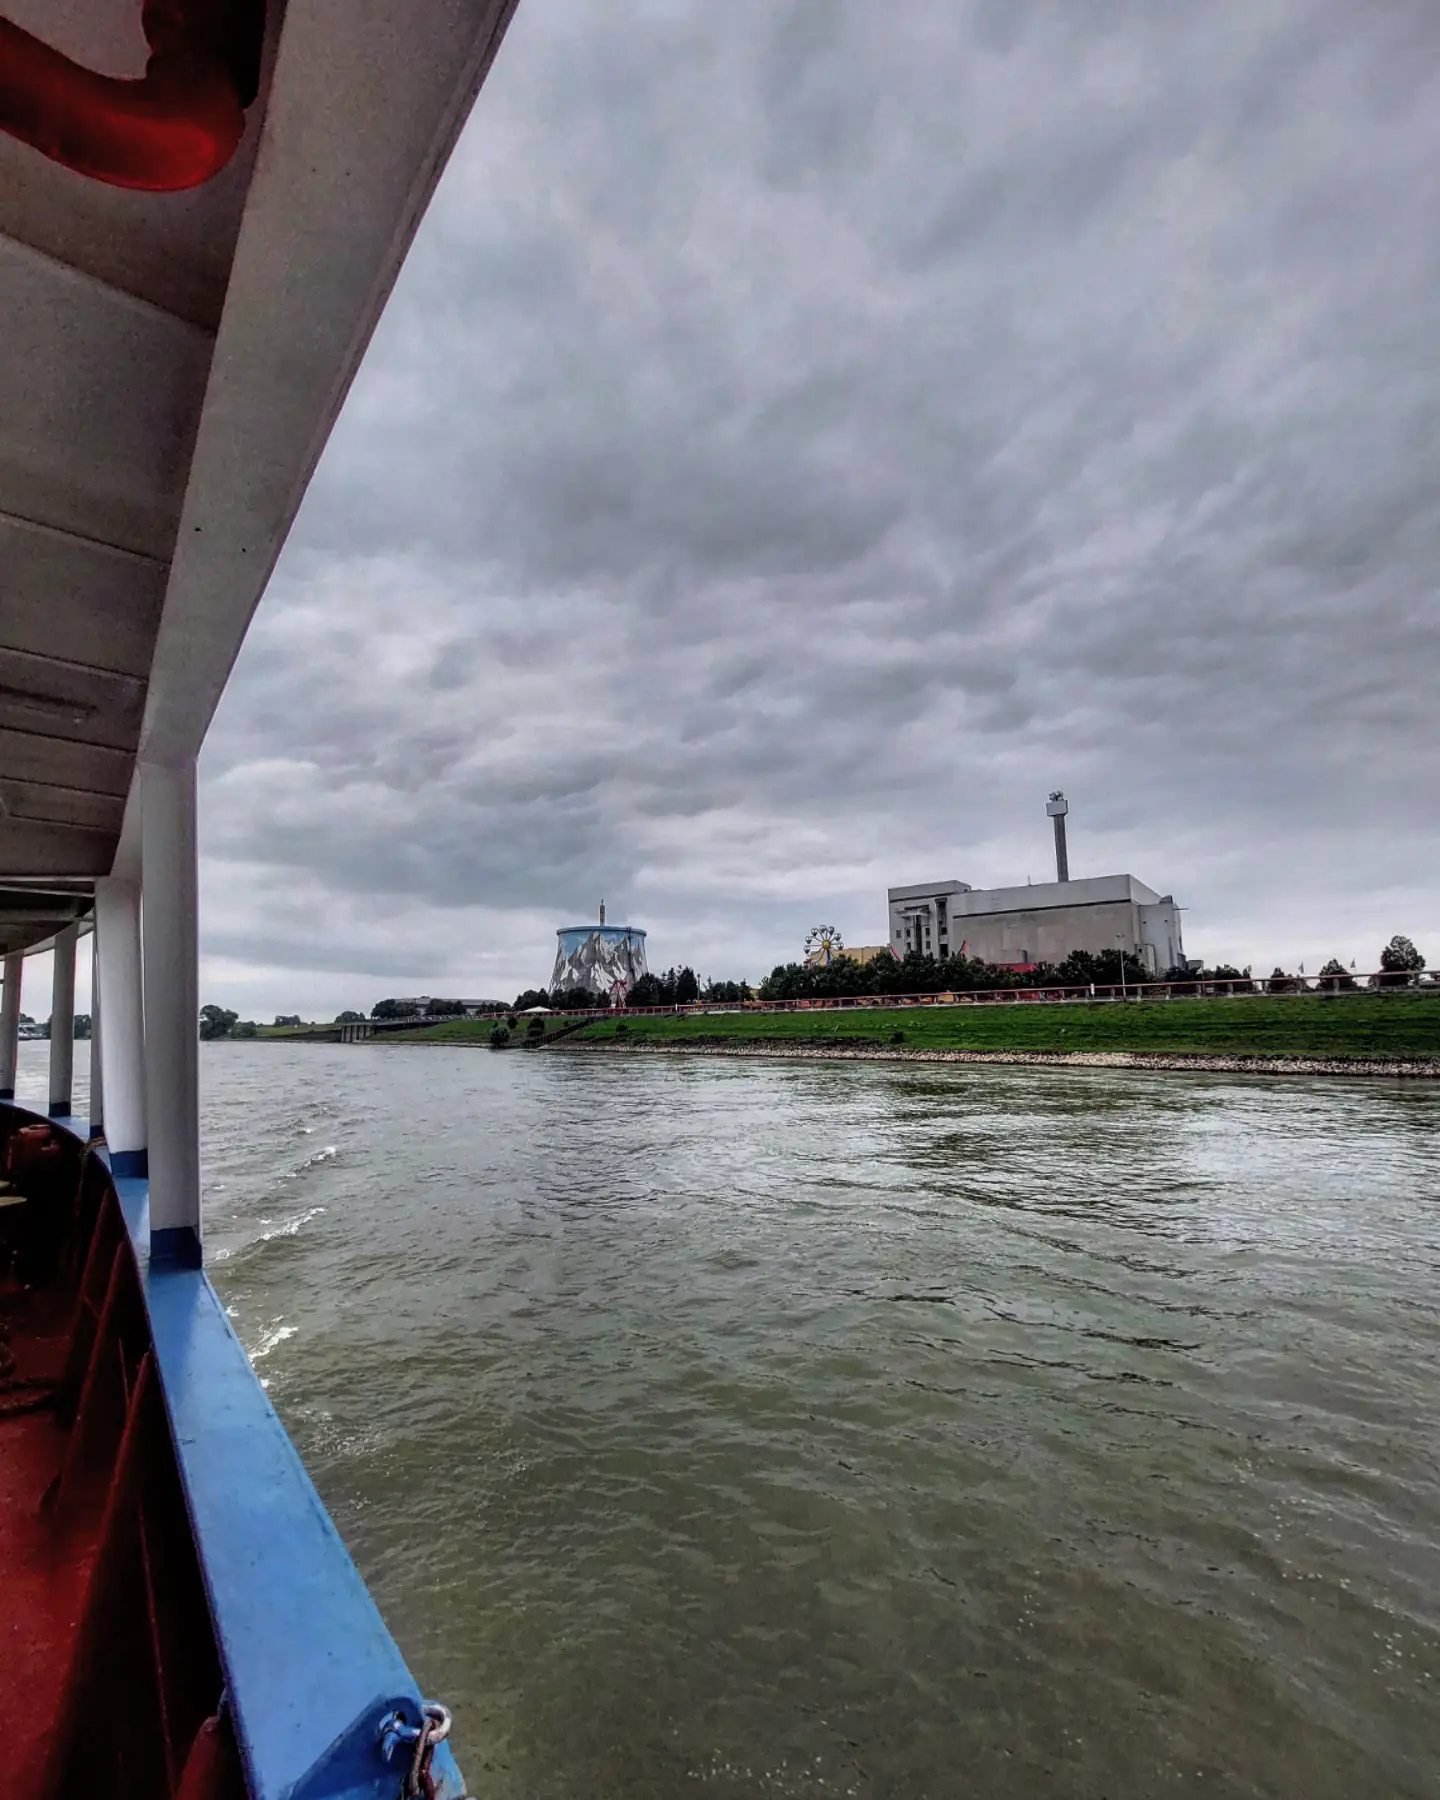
{"points": [[762, 1429]]}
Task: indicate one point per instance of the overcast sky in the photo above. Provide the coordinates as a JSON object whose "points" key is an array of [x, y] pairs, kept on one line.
{"points": [[806, 433]]}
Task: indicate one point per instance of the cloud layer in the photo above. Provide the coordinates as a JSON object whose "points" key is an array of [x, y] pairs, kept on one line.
{"points": [[805, 434]]}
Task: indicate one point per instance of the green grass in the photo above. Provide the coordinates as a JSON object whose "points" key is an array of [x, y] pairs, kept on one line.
{"points": [[1329, 1026], [472, 1031], [451, 1031]]}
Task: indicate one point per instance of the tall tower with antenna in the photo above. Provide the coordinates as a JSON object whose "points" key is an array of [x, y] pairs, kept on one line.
{"points": [[1057, 806]]}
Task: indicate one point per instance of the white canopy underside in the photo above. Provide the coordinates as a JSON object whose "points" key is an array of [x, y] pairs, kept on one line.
{"points": [[170, 368]]}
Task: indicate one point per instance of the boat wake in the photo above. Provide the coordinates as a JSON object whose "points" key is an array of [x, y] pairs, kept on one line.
{"points": [[286, 1228]]}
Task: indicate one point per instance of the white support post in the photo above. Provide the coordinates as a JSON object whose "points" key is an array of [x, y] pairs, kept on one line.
{"points": [[10, 1023], [121, 1055], [62, 1024], [172, 1004], [97, 1071]]}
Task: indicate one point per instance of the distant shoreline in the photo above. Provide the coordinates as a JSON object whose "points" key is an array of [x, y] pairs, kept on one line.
{"points": [[1367, 1036], [1408, 1068]]}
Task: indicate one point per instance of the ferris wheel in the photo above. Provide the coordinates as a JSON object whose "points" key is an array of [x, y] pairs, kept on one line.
{"points": [[823, 945]]}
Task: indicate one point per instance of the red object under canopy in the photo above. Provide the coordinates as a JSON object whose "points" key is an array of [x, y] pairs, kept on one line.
{"points": [[174, 128]]}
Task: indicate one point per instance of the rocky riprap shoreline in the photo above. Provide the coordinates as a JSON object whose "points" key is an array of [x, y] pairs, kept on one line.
{"points": [[1410, 1068]]}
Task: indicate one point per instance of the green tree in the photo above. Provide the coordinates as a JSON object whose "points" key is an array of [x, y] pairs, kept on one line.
{"points": [[1400, 963], [288, 1019], [727, 993], [1335, 978], [216, 1022], [349, 1018], [1086, 968], [395, 1009], [499, 1037], [447, 1009], [531, 997], [247, 1028], [687, 988], [968, 974], [577, 999], [1280, 983], [536, 1026], [653, 990], [915, 973], [779, 984]]}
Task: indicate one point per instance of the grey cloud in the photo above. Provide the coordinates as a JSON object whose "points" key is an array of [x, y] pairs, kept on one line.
{"points": [[802, 437]]}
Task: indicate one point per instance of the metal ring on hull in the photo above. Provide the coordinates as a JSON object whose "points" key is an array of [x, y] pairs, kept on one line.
{"points": [[174, 128]]}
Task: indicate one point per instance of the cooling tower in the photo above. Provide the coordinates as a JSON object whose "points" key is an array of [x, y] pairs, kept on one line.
{"points": [[605, 959]]}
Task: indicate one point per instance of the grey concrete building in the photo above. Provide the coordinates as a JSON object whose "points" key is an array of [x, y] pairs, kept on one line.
{"points": [[1040, 923]]}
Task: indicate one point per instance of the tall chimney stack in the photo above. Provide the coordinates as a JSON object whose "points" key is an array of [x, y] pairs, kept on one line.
{"points": [[1057, 807]]}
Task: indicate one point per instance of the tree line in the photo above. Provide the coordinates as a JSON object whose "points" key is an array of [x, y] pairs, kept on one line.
{"points": [[407, 1009], [916, 973], [220, 1022], [1401, 965], [80, 1027], [676, 987]]}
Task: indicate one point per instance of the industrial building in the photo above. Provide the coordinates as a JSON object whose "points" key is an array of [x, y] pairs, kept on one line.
{"points": [[1042, 922]]}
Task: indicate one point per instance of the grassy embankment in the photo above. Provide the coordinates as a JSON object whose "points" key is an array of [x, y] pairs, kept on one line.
{"points": [[477, 1031], [1399, 1026]]}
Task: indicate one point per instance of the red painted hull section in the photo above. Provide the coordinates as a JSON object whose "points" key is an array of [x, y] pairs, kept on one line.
{"points": [[110, 1680]]}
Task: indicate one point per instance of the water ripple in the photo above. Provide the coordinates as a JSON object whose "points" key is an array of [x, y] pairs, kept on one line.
{"points": [[846, 1429]]}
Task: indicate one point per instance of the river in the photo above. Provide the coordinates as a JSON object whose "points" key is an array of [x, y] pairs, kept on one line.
{"points": [[770, 1429]]}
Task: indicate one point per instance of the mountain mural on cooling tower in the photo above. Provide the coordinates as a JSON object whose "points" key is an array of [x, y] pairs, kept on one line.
{"points": [[600, 958]]}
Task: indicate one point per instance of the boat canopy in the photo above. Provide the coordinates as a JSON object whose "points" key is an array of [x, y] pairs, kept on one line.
{"points": [[171, 364]]}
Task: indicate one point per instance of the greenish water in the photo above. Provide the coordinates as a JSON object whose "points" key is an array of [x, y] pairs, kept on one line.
{"points": [[757, 1429]]}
